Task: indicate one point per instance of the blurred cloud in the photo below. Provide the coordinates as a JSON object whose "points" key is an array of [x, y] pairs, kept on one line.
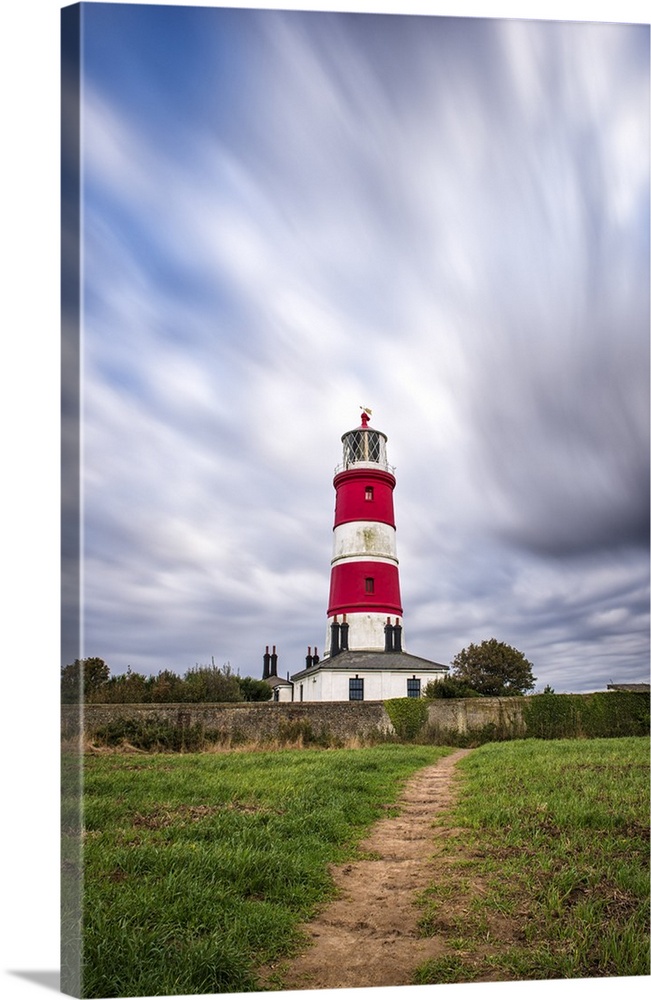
{"points": [[445, 219]]}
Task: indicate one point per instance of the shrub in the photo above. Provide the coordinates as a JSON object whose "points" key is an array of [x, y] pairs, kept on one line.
{"points": [[301, 731], [202, 683], [408, 716], [604, 713], [492, 732], [155, 735], [254, 690], [449, 687], [199, 684]]}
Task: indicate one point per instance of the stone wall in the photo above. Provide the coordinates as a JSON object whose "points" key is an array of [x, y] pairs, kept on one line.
{"points": [[248, 720], [474, 715], [340, 719], [475, 720]]}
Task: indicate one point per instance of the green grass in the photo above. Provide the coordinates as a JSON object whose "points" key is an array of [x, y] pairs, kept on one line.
{"points": [[198, 868], [547, 875]]}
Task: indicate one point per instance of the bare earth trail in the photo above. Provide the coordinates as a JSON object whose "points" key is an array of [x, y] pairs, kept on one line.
{"points": [[368, 936]]}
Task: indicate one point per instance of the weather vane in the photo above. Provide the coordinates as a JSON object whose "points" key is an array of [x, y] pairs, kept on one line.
{"points": [[366, 413]]}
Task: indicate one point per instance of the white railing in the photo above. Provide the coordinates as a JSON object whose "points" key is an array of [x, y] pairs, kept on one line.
{"points": [[343, 466]]}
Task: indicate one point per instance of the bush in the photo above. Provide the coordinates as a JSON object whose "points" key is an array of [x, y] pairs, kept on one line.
{"points": [[199, 684], [492, 732], [155, 735], [449, 687], [252, 689], [408, 716], [202, 683], [604, 713], [301, 731]]}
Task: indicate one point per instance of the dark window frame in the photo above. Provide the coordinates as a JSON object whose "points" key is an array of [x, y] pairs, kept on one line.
{"points": [[413, 687], [355, 689]]}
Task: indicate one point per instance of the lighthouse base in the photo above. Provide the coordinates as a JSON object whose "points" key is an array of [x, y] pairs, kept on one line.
{"points": [[363, 630]]}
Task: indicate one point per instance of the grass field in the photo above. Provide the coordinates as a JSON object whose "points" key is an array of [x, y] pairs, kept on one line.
{"points": [[199, 867], [547, 874]]}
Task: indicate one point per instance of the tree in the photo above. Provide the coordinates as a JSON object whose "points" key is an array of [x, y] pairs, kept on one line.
{"points": [[130, 688], [166, 687], [493, 669], [88, 675], [203, 683], [254, 690]]}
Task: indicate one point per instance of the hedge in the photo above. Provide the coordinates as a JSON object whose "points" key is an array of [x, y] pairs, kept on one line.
{"points": [[604, 713], [408, 716]]}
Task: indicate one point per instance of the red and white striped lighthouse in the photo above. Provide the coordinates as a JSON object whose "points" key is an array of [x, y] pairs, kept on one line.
{"points": [[364, 608]]}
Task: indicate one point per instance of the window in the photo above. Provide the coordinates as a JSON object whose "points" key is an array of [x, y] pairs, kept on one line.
{"points": [[369, 585], [368, 493], [356, 689], [413, 687]]}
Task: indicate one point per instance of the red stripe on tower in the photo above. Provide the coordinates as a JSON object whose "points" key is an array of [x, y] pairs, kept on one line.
{"points": [[364, 578], [364, 495], [364, 586]]}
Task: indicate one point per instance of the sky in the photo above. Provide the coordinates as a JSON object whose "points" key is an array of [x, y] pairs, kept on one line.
{"points": [[291, 215]]}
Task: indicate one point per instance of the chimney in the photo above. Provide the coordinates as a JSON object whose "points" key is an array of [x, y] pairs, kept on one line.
{"points": [[315, 658], [343, 635], [273, 670], [397, 637], [265, 667], [308, 658], [334, 641]]}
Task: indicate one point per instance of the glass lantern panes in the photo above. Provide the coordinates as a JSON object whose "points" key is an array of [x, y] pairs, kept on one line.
{"points": [[364, 446]]}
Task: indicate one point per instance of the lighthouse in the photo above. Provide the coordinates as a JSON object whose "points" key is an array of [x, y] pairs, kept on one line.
{"points": [[364, 657], [364, 606]]}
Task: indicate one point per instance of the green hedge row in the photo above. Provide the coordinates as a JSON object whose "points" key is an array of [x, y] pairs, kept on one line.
{"points": [[545, 716], [604, 713]]}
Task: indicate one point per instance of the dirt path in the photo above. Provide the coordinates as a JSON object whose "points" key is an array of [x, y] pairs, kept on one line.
{"points": [[369, 936]]}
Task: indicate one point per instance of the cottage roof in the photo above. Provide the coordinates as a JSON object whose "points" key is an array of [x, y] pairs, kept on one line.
{"points": [[639, 688], [371, 660], [275, 681]]}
